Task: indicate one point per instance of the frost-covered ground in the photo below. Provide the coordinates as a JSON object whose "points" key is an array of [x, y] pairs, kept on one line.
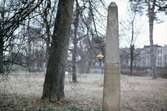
{"points": [[137, 93]]}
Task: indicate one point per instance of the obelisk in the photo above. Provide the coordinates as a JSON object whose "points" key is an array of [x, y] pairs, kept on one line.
{"points": [[111, 91]]}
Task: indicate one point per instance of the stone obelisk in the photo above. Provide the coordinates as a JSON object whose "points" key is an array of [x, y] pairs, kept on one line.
{"points": [[111, 91]]}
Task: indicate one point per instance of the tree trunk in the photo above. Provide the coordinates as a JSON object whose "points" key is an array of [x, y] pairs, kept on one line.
{"points": [[47, 28], [1, 54], [29, 55], [2, 14], [131, 59], [132, 45], [75, 41], [74, 75], [89, 63], [54, 81], [151, 26]]}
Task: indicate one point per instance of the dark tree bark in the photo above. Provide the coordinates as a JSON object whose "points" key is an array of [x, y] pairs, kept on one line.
{"points": [[2, 14], [47, 24], [1, 54], [132, 47], [54, 81], [29, 62], [75, 41], [131, 59], [151, 15], [74, 52]]}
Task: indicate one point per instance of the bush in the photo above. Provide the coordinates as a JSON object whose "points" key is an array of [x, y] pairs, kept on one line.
{"points": [[163, 72]]}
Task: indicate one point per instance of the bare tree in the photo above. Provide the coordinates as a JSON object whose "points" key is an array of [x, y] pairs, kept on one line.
{"points": [[151, 16], [11, 18], [129, 29], [54, 80], [132, 46], [153, 6], [75, 41], [87, 24]]}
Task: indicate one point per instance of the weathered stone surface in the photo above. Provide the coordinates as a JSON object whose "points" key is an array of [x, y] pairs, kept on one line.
{"points": [[112, 40], [111, 92], [111, 88]]}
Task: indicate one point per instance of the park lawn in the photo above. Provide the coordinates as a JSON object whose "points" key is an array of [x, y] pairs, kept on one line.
{"points": [[22, 91]]}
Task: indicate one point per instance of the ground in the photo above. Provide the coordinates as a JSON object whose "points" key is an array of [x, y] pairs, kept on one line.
{"points": [[137, 93]]}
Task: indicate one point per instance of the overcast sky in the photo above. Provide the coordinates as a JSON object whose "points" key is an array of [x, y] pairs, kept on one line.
{"points": [[160, 30]]}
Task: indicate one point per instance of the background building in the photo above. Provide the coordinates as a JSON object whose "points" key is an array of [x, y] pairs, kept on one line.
{"points": [[141, 61]]}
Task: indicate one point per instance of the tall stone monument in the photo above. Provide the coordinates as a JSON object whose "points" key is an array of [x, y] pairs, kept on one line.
{"points": [[111, 91]]}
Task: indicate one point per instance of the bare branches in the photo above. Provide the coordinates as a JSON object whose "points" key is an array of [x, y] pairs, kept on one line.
{"points": [[11, 24]]}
